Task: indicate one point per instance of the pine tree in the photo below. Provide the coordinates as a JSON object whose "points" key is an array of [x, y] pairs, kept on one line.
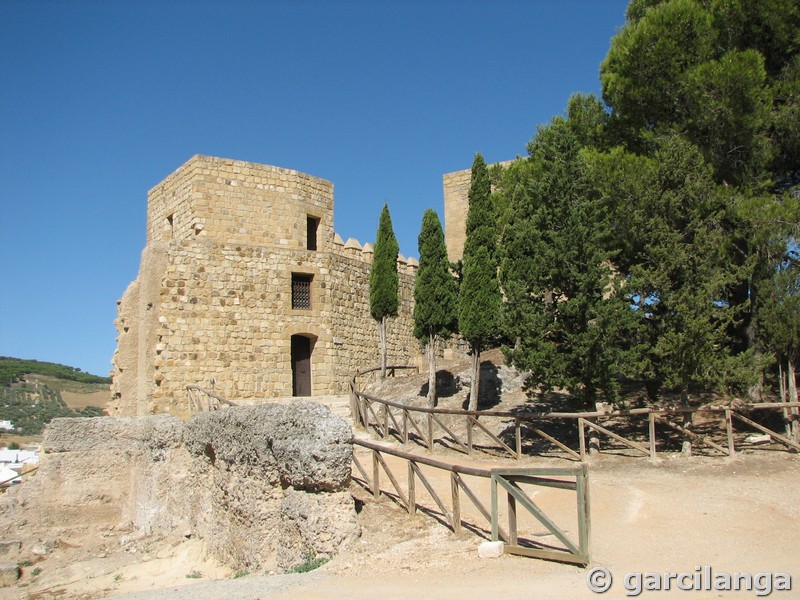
{"points": [[383, 280], [724, 77], [479, 302], [571, 323], [779, 318], [435, 294]]}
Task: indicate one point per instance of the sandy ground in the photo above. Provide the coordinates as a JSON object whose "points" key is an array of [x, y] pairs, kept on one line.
{"points": [[733, 515], [675, 514]]}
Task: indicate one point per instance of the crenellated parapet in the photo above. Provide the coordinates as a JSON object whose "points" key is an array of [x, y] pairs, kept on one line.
{"points": [[353, 249]]}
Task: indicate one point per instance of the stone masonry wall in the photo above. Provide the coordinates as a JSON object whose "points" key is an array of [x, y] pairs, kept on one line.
{"points": [[213, 301], [456, 205], [224, 313], [241, 203]]}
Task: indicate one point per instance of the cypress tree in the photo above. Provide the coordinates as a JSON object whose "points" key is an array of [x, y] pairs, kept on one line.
{"points": [[479, 302], [435, 294], [383, 280], [481, 222]]}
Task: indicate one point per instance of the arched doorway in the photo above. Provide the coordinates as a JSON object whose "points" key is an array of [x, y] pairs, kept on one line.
{"points": [[302, 347]]}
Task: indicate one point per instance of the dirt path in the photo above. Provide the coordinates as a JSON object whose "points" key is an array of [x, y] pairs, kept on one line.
{"points": [[734, 515]]}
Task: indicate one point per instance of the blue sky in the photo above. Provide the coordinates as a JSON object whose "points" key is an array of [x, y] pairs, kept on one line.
{"points": [[101, 100]]}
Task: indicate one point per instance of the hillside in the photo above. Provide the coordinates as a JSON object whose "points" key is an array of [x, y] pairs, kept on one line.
{"points": [[14, 369], [34, 392]]}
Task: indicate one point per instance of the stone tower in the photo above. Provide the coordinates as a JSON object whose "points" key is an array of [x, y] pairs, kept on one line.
{"points": [[244, 288], [456, 205]]}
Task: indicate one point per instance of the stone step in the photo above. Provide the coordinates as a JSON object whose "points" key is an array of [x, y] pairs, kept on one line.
{"points": [[339, 406]]}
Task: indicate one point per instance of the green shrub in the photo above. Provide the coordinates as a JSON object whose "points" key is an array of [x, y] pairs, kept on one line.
{"points": [[312, 562]]}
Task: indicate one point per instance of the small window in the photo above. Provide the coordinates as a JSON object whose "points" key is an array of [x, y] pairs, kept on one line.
{"points": [[301, 291], [171, 225], [312, 223]]}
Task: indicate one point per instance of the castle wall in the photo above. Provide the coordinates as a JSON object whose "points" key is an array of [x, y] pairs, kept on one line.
{"points": [[214, 303], [456, 204], [241, 203]]}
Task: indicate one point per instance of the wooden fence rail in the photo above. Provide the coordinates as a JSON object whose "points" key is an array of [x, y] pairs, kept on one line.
{"points": [[431, 426], [509, 480], [201, 400], [24, 474]]}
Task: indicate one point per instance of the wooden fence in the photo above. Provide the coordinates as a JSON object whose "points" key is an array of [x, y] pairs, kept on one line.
{"points": [[201, 400], [5, 483], [431, 426], [508, 480]]}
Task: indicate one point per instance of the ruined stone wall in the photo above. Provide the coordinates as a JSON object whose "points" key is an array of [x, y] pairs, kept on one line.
{"points": [[265, 487], [213, 302]]}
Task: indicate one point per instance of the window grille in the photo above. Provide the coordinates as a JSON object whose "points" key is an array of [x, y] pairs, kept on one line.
{"points": [[301, 291]]}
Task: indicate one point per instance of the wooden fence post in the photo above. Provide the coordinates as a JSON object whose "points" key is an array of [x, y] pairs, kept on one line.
{"points": [[584, 512], [594, 439], [651, 429], [456, 503], [412, 492], [512, 520], [518, 437], [581, 440], [495, 515], [729, 431], [376, 476]]}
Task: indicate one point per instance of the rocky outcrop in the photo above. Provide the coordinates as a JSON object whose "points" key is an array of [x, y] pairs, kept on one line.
{"points": [[264, 486], [314, 526], [257, 458]]}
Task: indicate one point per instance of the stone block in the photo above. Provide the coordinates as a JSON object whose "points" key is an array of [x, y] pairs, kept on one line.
{"points": [[491, 549]]}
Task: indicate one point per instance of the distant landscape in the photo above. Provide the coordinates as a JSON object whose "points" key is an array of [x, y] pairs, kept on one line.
{"points": [[33, 392]]}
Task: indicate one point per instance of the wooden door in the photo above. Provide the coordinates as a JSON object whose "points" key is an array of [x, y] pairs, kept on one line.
{"points": [[301, 365]]}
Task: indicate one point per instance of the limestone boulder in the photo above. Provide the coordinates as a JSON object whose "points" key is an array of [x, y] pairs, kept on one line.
{"points": [[238, 437], [303, 444], [313, 448]]}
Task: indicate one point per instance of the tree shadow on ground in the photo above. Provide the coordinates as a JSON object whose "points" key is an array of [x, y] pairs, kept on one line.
{"points": [[491, 387], [447, 385]]}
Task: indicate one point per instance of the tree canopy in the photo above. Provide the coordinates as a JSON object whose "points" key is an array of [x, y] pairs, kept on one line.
{"points": [[435, 291], [653, 234], [383, 278]]}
